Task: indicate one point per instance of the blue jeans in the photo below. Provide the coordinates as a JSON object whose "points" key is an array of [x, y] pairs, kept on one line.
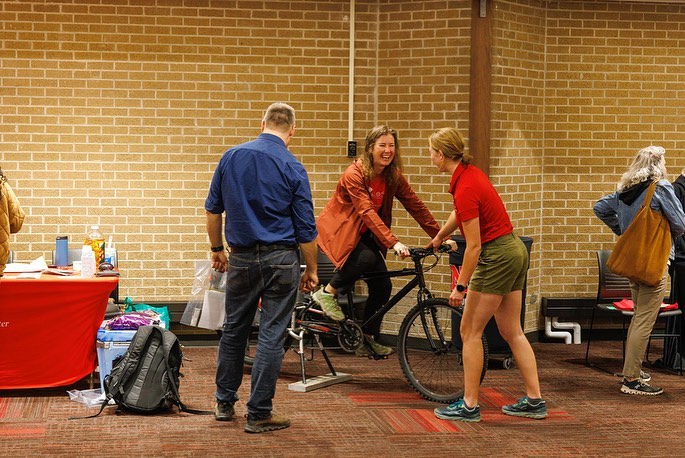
{"points": [[272, 276]]}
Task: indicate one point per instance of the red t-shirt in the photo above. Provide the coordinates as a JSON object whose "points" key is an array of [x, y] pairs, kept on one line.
{"points": [[475, 197], [377, 193]]}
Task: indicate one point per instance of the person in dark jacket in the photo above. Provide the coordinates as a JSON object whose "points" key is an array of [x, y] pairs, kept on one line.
{"points": [[679, 245], [677, 272], [617, 211]]}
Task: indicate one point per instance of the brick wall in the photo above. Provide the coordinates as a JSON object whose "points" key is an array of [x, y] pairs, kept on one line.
{"points": [[614, 80], [116, 113], [517, 152], [578, 88]]}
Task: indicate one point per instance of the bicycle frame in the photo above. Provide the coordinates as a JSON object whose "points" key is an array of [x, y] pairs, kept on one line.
{"points": [[428, 356], [418, 280]]}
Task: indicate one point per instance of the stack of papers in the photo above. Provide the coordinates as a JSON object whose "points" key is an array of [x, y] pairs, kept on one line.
{"points": [[58, 271], [32, 270]]}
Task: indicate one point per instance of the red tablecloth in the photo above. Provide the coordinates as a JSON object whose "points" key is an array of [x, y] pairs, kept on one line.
{"points": [[48, 328]]}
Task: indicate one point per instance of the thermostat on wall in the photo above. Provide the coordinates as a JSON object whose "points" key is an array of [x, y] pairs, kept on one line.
{"points": [[351, 149]]}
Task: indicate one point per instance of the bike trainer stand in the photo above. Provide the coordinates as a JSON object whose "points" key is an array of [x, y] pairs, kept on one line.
{"points": [[322, 380]]}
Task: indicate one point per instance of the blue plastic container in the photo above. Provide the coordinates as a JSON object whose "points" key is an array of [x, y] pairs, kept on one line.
{"points": [[110, 345]]}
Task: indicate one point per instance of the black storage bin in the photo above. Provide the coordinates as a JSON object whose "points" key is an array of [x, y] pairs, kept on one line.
{"points": [[497, 346]]}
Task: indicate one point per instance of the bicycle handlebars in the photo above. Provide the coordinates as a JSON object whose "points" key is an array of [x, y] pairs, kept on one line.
{"points": [[420, 253]]}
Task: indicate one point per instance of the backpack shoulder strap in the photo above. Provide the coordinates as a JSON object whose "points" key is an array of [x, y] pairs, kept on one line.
{"points": [[102, 407], [132, 358], [168, 340]]}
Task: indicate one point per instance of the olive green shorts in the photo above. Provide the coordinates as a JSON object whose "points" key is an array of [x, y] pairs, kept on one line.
{"points": [[502, 266]]}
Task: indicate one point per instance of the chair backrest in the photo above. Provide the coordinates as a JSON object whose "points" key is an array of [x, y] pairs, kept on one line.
{"points": [[325, 268], [611, 287]]}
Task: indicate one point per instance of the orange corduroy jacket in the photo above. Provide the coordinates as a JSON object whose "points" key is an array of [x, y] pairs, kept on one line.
{"points": [[11, 220], [340, 222]]}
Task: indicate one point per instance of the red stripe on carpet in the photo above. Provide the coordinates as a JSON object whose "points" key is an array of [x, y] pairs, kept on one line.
{"points": [[419, 421], [493, 397], [22, 432], [430, 423], [416, 421]]}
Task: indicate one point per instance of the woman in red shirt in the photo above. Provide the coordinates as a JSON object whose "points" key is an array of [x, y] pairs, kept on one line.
{"points": [[354, 228], [494, 269]]}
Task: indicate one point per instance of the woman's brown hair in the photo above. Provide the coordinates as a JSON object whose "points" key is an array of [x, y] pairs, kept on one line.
{"points": [[392, 171]]}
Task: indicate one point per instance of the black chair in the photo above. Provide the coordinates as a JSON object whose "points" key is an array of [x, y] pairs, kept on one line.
{"points": [[325, 271], [614, 288], [325, 268], [674, 350]]}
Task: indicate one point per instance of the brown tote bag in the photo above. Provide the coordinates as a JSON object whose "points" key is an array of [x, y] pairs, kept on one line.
{"points": [[642, 251]]}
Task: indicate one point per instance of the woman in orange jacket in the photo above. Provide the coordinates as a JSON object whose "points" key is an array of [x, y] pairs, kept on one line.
{"points": [[354, 228]]}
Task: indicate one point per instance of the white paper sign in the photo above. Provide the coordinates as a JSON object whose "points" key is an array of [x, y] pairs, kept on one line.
{"points": [[213, 310]]}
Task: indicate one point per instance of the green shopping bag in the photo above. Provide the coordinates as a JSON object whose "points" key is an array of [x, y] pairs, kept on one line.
{"points": [[162, 311]]}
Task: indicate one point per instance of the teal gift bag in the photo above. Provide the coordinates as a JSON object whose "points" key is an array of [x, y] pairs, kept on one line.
{"points": [[162, 311]]}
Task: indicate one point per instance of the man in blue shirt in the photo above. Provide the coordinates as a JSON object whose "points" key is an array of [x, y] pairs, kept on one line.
{"points": [[264, 191]]}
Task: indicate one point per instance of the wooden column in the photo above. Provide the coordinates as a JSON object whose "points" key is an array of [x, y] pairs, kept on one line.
{"points": [[481, 81]]}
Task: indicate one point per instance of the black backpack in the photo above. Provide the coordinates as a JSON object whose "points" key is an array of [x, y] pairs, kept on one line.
{"points": [[146, 378]]}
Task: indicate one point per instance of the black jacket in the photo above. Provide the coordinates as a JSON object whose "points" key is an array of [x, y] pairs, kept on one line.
{"points": [[679, 188]]}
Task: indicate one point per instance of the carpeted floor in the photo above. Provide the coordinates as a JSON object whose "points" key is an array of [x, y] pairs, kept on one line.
{"points": [[374, 414]]}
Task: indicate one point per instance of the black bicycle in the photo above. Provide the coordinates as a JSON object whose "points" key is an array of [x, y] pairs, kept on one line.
{"points": [[428, 343]]}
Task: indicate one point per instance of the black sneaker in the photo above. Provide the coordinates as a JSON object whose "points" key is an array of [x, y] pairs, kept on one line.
{"points": [[224, 411], [640, 387], [645, 376], [273, 423]]}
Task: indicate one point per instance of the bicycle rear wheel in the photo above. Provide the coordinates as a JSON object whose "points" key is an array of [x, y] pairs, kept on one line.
{"points": [[429, 349]]}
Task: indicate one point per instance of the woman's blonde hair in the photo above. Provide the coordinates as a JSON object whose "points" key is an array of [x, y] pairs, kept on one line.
{"points": [[392, 171], [649, 164], [451, 143]]}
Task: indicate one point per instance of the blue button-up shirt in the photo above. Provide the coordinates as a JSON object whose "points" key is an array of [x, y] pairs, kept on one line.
{"points": [[265, 193]]}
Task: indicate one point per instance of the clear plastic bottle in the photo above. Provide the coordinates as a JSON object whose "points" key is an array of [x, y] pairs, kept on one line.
{"points": [[110, 252], [97, 242], [87, 262]]}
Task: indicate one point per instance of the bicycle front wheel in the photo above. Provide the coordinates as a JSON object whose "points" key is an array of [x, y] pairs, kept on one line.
{"points": [[429, 349]]}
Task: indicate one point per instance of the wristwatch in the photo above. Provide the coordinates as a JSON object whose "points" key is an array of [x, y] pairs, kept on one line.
{"points": [[216, 249], [461, 288]]}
